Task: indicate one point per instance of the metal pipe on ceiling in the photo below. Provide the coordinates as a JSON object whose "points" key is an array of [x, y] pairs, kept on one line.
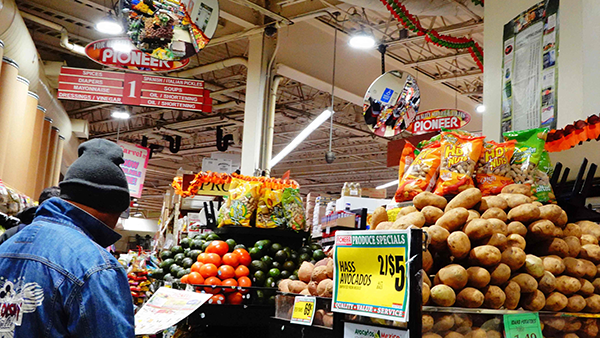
{"points": [[234, 61], [64, 34]]}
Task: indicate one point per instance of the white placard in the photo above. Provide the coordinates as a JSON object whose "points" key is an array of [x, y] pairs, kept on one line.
{"points": [[136, 162], [353, 330]]}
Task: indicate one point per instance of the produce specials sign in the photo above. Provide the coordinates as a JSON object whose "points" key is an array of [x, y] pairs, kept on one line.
{"points": [[371, 274], [436, 119], [136, 162], [133, 89]]}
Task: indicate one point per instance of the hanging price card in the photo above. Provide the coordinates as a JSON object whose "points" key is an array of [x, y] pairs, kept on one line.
{"points": [[522, 325], [370, 275], [304, 310]]}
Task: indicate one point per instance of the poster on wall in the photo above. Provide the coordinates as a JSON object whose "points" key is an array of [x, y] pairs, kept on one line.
{"points": [[530, 68], [136, 162]]}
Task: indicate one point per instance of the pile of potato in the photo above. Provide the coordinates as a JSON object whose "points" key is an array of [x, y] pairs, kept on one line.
{"points": [[314, 280], [445, 325], [505, 251]]}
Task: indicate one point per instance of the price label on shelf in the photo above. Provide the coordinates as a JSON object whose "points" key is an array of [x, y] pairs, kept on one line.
{"points": [[370, 275], [522, 325], [304, 310]]}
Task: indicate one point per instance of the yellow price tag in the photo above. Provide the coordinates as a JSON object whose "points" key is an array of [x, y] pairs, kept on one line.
{"points": [[370, 276], [304, 310]]}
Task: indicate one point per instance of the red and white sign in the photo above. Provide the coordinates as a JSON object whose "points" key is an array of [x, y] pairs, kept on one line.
{"points": [[136, 162], [436, 119], [133, 89], [120, 53]]}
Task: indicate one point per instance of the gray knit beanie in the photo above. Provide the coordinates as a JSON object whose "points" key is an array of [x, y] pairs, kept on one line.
{"points": [[95, 179]]}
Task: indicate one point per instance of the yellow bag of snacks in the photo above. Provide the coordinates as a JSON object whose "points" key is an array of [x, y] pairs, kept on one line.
{"points": [[494, 166], [528, 150], [460, 152], [541, 188], [241, 204], [270, 213], [420, 175], [406, 159], [293, 209]]}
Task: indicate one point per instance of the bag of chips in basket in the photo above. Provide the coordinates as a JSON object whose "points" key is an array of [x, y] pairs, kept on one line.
{"points": [[241, 204], [493, 167], [541, 188], [270, 213], [293, 209], [420, 175], [408, 156], [528, 150], [460, 153]]}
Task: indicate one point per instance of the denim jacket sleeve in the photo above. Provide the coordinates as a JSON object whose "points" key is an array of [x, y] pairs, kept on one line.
{"points": [[103, 307]]}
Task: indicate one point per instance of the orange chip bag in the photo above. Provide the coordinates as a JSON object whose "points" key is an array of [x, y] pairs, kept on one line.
{"points": [[408, 156], [493, 168], [421, 174], [459, 153]]}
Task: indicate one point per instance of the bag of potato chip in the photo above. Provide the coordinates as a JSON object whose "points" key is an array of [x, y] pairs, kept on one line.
{"points": [[420, 175], [541, 187], [460, 153], [408, 156], [293, 209], [494, 166], [241, 204], [528, 150], [269, 213]]}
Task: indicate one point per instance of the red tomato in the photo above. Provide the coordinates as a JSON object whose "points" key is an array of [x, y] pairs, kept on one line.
{"points": [[235, 298], [195, 278], [226, 271], [241, 271], [217, 299], [245, 282], [196, 266], [212, 281], [218, 247], [212, 258], [245, 259], [208, 270], [229, 282], [232, 259]]}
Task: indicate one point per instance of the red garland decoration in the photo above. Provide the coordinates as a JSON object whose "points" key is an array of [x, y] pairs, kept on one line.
{"points": [[412, 23], [573, 134]]}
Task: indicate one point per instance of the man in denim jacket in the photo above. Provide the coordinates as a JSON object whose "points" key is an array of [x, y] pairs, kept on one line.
{"points": [[56, 278]]}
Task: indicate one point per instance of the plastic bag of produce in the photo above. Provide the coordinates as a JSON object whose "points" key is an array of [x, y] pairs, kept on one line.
{"points": [[494, 166], [541, 188], [409, 152], [420, 175], [242, 201], [269, 213], [528, 150], [460, 153], [293, 209]]}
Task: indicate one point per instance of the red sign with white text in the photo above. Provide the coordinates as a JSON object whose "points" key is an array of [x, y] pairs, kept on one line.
{"points": [[436, 119], [133, 89]]}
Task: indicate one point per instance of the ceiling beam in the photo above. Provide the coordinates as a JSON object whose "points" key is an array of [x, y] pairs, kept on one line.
{"points": [[436, 59], [88, 108], [462, 76], [471, 25]]}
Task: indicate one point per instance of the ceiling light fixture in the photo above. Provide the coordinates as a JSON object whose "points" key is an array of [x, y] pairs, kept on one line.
{"points": [[362, 40], [387, 185], [316, 123], [480, 108], [121, 115], [109, 25]]}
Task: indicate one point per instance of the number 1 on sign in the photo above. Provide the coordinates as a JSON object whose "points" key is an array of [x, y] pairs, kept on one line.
{"points": [[132, 89]]}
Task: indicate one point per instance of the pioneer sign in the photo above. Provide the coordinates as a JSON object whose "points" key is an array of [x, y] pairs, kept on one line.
{"points": [[436, 119]]}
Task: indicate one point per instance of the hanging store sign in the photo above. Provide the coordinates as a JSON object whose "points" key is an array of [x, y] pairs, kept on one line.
{"points": [[133, 89], [136, 163], [436, 119], [120, 53], [371, 274]]}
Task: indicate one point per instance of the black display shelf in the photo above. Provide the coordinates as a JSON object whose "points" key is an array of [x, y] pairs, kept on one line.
{"points": [[248, 236]]}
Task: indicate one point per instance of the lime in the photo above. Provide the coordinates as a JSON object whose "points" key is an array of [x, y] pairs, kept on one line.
{"points": [[288, 250], [257, 265], [259, 278], [187, 262], [157, 273], [270, 282], [188, 271], [240, 246], [305, 249], [289, 266], [168, 277], [255, 253], [264, 244], [186, 251], [193, 254], [167, 263], [285, 274], [304, 257], [179, 258], [165, 254], [212, 237], [275, 273], [174, 269], [205, 245], [203, 236], [281, 256], [318, 255], [295, 273], [181, 273], [294, 277], [268, 260], [176, 249], [260, 296], [315, 246], [294, 257], [197, 244], [185, 242], [274, 248], [231, 244], [271, 300]]}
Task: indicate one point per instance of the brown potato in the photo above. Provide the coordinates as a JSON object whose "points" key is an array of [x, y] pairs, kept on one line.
{"points": [[499, 274], [567, 285], [516, 241], [319, 273], [517, 228], [513, 295], [453, 334], [438, 236], [574, 267], [454, 219], [517, 189], [574, 245], [589, 228], [384, 226], [555, 246], [499, 226], [478, 277], [572, 324], [562, 220], [476, 333], [534, 301], [478, 229], [553, 324], [466, 199], [492, 202], [576, 304], [524, 213], [593, 304], [514, 200], [427, 323], [305, 271], [534, 266], [485, 255], [590, 328], [526, 282], [442, 295], [413, 219], [572, 229], [514, 258], [406, 210], [498, 240], [325, 288], [494, 297], [427, 198], [427, 261], [459, 244], [426, 292], [587, 289], [589, 239], [431, 335], [590, 269], [454, 275], [297, 286], [495, 213], [547, 283], [473, 214], [556, 301], [426, 279], [443, 323], [432, 214], [379, 215], [554, 264], [551, 212], [590, 252], [470, 298], [542, 229]]}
